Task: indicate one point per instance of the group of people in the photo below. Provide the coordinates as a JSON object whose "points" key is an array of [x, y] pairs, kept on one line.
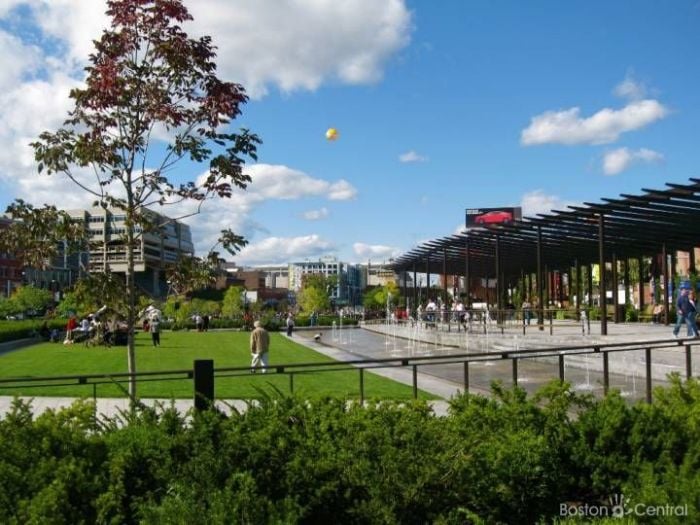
{"points": [[686, 312], [201, 322], [432, 311], [90, 327]]}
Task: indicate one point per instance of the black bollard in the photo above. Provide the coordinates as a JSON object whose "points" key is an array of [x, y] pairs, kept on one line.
{"points": [[203, 383]]}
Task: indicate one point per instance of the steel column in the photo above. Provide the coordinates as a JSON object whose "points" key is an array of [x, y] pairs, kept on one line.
{"points": [[590, 285], [640, 262], [499, 282], [444, 277], [626, 282], [577, 272], [427, 284], [540, 288], [664, 271], [614, 287], [467, 277], [601, 262]]}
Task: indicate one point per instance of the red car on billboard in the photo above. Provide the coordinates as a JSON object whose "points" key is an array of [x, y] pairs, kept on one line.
{"points": [[494, 217]]}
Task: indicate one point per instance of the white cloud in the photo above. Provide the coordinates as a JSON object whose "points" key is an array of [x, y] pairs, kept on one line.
{"points": [[269, 182], [375, 251], [341, 191], [618, 160], [277, 250], [631, 88], [315, 215], [290, 45], [17, 60], [274, 181], [412, 156], [537, 201], [302, 44], [76, 23], [605, 126]]}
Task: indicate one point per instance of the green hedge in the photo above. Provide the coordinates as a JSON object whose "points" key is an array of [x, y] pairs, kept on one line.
{"points": [[14, 330], [270, 323], [507, 459]]}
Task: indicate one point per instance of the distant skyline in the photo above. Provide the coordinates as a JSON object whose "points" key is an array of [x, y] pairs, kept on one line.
{"points": [[440, 106]]}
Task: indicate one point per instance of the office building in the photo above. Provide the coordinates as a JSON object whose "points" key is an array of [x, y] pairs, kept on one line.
{"points": [[156, 247]]}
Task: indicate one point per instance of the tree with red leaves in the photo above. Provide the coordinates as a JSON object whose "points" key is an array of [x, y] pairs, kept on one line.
{"points": [[147, 78]]}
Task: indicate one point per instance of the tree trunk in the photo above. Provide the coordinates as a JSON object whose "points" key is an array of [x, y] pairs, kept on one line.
{"points": [[131, 301]]}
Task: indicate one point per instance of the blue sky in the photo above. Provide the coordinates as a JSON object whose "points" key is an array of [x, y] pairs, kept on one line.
{"points": [[440, 105]]}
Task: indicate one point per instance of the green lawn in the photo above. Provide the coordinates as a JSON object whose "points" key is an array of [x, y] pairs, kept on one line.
{"points": [[178, 351]]}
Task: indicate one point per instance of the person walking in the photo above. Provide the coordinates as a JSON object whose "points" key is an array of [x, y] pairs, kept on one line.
{"points": [[290, 324], [527, 314], [692, 314], [154, 328], [683, 309], [259, 347]]}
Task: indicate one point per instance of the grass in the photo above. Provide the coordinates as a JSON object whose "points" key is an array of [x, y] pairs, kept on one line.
{"points": [[178, 351]]}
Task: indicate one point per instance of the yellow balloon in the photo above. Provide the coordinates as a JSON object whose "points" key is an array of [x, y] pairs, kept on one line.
{"points": [[332, 134]]}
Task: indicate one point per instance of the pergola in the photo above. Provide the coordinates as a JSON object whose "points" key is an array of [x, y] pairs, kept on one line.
{"points": [[630, 227]]}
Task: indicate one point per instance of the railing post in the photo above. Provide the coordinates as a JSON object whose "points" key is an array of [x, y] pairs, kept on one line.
{"points": [[94, 404], [551, 323], [291, 382], [203, 383], [515, 371], [688, 362], [647, 353], [466, 377], [606, 373], [362, 386], [561, 367], [415, 381]]}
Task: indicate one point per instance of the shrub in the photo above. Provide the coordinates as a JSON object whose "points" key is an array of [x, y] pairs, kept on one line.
{"points": [[505, 459], [14, 330]]}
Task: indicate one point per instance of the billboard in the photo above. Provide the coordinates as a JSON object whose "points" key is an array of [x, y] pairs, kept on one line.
{"points": [[480, 217]]}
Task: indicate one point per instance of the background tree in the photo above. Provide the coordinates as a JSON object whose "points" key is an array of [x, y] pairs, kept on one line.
{"points": [[191, 274], [35, 235], [376, 298], [7, 307], [315, 292], [29, 298], [146, 76], [232, 305], [95, 290]]}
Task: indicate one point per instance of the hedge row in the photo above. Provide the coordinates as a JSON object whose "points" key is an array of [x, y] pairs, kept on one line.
{"points": [[270, 323], [14, 330], [508, 459]]}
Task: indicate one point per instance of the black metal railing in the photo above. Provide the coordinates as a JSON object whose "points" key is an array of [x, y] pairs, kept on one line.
{"points": [[204, 374]]}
